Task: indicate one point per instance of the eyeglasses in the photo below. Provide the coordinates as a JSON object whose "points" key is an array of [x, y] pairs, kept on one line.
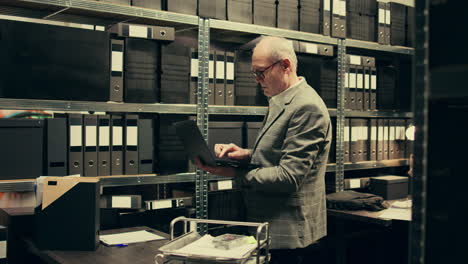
{"points": [[261, 74]]}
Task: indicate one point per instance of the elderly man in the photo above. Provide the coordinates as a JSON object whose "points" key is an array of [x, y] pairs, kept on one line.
{"points": [[288, 190]]}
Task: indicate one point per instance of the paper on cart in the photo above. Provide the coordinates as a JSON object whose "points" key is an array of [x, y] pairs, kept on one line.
{"points": [[396, 213], [205, 247], [129, 237]]}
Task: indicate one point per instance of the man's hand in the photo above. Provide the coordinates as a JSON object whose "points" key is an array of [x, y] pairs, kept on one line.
{"points": [[232, 151], [221, 171]]}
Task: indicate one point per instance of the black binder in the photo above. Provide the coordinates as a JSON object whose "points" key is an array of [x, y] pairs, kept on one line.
{"points": [[220, 77], [359, 95], [143, 31], [131, 145], [391, 139], [397, 24], [230, 92], [288, 14], [365, 140], [373, 88], [264, 13], [141, 71], [71, 221], [239, 11], [193, 76], [380, 139], [338, 18], [386, 138], [381, 27], [75, 144], [373, 139], [90, 163], [387, 23], [56, 147], [347, 141], [188, 7], [117, 124], [117, 71], [146, 145], [309, 16], [104, 154], [212, 9]]}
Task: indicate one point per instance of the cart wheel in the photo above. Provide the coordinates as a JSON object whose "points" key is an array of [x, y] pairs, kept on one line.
{"points": [[159, 259]]}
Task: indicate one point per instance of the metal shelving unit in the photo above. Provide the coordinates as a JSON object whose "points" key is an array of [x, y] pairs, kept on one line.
{"points": [[376, 164], [382, 114], [352, 43]]}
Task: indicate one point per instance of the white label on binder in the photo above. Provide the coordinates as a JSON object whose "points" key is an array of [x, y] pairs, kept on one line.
{"points": [[354, 133], [381, 16], [365, 133], [3, 249], [220, 70], [392, 133], [360, 81], [225, 185], [194, 67], [346, 82], [352, 80], [311, 48], [336, 7], [211, 69], [387, 17], [138, 31], [346, 134], [373, 133], [326, 5], [381, 133], [121, 202], [230, 71], [100, 28], [132, 136], [342, 8], [117, 136], [385, 133], [353, 59], [162, 204], [117, 61], [373, 85], [402, 133], [91, 136], [75, 136], [354, 183], [104, 133], [366, 81]]}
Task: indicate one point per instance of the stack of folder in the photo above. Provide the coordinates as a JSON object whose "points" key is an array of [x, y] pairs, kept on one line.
{"points": [[338, 18], [361, 16], [360, 83], [387, 80], [397, 24]]}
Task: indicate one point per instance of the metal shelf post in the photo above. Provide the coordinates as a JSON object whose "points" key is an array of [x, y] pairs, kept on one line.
{"points": [[201, 181], [340, 117]]}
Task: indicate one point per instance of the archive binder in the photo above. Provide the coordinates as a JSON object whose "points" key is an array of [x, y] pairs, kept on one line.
{"points": [[359, 95], [381, 27], [288, 14], [347, 141], [388, 20], [131, 145], [309, 16], [193, 76], [90, 145], [211, 79], [117, 71], [188, 7], [380, 139], [264, 13], [146, 145], [365, 140], [212, 9], [104, 135], [338, 28], [391, 139], [143, 31], [325, 17], [355, 138], [117, 124], [386, 138], [56, 146], [230, 92], [75, 144], [373, 139], [153, 4], [220, 77], [373, 88], [239, 11]]}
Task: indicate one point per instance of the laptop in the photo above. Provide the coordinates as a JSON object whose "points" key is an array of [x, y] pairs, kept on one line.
{"points": [[195, 146]]}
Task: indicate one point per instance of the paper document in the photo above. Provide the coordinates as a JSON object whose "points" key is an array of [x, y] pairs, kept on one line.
{"points": [[205, 247], [397, 213], [129, 237]]}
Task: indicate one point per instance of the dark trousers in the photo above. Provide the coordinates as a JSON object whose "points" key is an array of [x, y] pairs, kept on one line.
{"points": [[309, 254]]}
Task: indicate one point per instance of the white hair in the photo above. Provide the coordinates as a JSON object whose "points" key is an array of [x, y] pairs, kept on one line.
{"points": [[280, 48]]}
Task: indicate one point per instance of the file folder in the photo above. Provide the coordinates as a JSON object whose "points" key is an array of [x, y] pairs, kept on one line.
{"points": [[380, 139], [188, 7], [152, 4], [193, 76], [75, 144], [325, 19], [365, 140], [131, 145], [355, 138], [309, 16], [347, 141], [391, 139], [211, 79], [239, 11], [264, 13], [212, 9], [117, 71], [338, 28], [381, 26], [104, 154], [143, 31], [56, 147], [387, 76], [373, 88], [146, 145], [386, 138], [90, 145], [220, 77], [68, 218], [373, 139], [141, 80], [117, 124], [388, 19], [359, 88], [397, 24], [288, 14], [352, 82], [230, 92]]}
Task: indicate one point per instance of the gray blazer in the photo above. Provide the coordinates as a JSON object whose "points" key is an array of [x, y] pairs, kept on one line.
{"points": [[289, 190]]}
